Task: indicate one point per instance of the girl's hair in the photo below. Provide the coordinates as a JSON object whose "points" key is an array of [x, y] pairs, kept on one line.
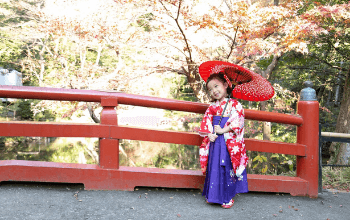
{"points": [[219, 76]]}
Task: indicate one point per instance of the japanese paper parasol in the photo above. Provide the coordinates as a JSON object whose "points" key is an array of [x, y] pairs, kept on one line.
{"points": [[245, 84]]}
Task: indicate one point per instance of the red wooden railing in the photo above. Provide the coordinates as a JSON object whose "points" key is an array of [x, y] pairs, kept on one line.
{"points": [[108, 175]]}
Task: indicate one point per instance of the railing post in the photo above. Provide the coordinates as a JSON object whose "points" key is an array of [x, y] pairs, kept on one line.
{"points": [[109, 147], [308, 134]]}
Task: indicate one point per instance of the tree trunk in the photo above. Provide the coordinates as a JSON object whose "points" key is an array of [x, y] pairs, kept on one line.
{"points": [[263, 105], [57, 44], [42, 65], [82, 57], [99, 50], [266, 125], [343, 126], [194, 80]]}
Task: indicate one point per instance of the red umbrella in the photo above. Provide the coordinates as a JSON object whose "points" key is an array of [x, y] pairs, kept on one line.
{"points": [[246, 84]]}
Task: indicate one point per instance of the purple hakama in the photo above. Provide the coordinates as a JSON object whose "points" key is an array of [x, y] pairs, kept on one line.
{"points": [[221, 184]]}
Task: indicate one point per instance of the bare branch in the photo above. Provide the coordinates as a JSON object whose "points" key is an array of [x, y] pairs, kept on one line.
{"points": [[182, 32], [239, 61], [181, 71], [233, 44], [167, 11], [181, 51], [337, 49], [328, 64], [44, 45], [178, 11], [228, 5], [92, 114]]}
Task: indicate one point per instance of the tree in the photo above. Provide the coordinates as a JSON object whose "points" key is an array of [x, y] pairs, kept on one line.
{"points": [[245, 33], [91, 30], [271, 33], [89, 45], [332, 22], [106, 44], [78, 45]]}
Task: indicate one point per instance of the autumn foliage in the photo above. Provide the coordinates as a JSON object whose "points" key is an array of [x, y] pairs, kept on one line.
{"points": [[106, 45]]}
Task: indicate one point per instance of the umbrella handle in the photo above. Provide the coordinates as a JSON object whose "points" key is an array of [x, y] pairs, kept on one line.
{"points": [[223, 112]]}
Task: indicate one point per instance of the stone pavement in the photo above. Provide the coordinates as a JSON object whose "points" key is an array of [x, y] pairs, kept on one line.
{"points": [[68, 201]]}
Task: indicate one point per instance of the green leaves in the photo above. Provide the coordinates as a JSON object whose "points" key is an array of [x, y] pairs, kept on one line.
{"points": [[271, 163], [10, 50], [260, 158]]}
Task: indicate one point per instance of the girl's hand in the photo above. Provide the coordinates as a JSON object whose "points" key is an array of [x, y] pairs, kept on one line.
{"points": [[204, 169], [212, 137], [218, 129]]}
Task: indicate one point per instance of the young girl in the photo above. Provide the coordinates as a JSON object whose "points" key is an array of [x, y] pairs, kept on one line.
{"points": [[222, 154]]}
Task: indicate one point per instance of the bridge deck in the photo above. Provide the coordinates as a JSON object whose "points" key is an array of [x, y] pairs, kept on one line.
{"points": [[127, 178]]}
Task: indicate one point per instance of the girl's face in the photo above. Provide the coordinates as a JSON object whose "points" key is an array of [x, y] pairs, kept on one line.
{"points": [[217, 89]]}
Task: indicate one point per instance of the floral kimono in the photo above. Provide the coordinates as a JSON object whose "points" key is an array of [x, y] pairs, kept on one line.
{"points": [[234, 139]]}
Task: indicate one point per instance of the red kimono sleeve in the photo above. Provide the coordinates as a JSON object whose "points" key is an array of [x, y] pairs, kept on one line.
{"points": [[205, 129]]}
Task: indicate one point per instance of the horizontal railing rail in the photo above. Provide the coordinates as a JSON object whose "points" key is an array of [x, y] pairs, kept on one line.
{"points": [[28, 92], [331, 137], [40, 129]]}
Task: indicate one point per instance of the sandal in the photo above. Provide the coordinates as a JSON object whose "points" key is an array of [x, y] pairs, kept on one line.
{"points": [[228, 205]]}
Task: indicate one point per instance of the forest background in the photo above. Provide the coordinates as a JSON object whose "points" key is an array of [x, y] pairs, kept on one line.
{"points": [[154, 48]]}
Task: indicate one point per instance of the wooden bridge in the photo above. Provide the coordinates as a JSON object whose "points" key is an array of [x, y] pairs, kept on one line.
{"points": [[108, 175]]}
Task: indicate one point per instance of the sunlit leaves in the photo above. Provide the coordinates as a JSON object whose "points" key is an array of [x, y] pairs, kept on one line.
{"points": [[329, 18]]}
